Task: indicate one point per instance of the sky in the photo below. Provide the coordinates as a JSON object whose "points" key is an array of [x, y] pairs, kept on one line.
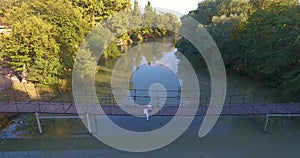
{"points": [[181, 6]]}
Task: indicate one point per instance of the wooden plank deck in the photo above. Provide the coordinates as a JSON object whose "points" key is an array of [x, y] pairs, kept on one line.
{"points": [[68, 108]]}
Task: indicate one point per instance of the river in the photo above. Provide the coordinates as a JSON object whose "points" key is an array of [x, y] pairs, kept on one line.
{"points": [[232, 136]]}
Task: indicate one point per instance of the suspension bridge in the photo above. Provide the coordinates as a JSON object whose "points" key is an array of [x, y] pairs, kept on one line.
{"points": [[70, 108], [236, 104]]}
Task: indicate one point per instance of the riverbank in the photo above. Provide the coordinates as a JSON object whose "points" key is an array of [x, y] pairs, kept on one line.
{"points": [[5, 119]]}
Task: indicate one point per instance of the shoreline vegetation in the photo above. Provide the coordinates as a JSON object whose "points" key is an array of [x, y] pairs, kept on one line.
{"points": [[46, 35], [259, 39]]}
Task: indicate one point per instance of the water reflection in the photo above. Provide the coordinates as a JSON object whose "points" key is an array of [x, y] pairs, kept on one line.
{"points": [[147, 75], [146, 63], [141, 71]]}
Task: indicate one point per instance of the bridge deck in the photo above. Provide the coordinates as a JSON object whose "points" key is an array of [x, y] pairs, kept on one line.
{"points": [[67, 108]]}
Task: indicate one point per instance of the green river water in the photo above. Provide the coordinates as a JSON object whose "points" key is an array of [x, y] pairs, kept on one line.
{"points": [[232, 136]]}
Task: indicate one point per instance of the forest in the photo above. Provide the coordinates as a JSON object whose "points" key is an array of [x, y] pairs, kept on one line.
{"points": [[46, 34], [259, 39]]}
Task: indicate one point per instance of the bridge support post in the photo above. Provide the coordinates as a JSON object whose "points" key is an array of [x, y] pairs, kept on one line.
{"points": [[266, 123], [38, 122], [88, 123]]}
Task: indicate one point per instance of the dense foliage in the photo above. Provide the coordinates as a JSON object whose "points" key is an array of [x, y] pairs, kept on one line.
{"points": [[45, 37], [133, 26], [257, 38], [47, 34]]}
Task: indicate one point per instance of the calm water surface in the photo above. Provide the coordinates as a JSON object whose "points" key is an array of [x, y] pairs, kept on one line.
{"points": [[232, 137]]}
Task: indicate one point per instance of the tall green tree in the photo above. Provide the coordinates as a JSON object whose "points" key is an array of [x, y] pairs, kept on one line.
{"points": [[31, 48], [43, 30], [136, 21], [257, 38], [94, 11], [270, 40], [46, 34], [136, 9]]}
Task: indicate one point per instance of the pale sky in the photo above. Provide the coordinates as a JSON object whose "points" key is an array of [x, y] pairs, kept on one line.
{"points": [[181, 6]]}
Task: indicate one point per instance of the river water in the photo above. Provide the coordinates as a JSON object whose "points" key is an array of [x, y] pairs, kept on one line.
{"points": [[232, 137]]}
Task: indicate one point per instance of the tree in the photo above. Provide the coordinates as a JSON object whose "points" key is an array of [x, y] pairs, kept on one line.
{"points": [[136, 9], [7, 4], [46, 34], [86, 64], [221, 19], [94, 11], [43, 30], [31, 48], [259, 39], [271, 46]]}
